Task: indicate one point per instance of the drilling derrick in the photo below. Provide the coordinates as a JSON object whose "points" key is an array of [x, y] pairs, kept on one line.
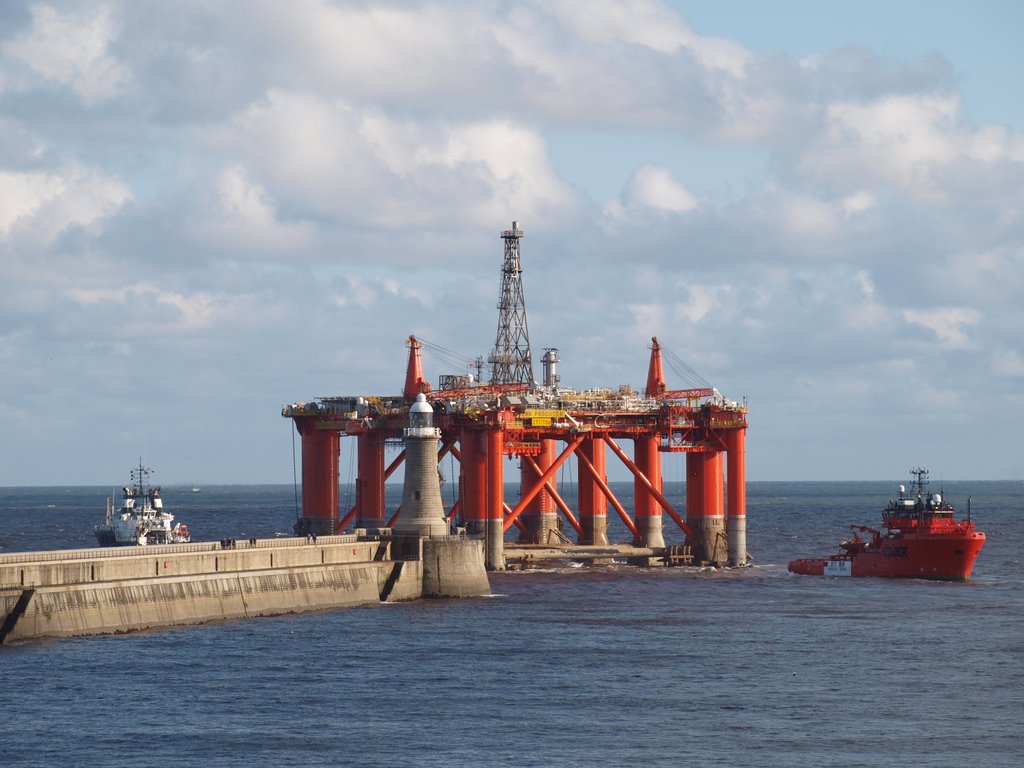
{"points": [[511, 361]]}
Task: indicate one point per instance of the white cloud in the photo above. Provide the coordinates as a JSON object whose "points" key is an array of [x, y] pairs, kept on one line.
{"points": [[73, 51], [808, 217], [866, 284], [914, 143], [949, 324], [148, 310], [42, 205], [649, 189], [703, 301], [648, 24], [791, 227], [858, 202], [897, 139], [863, 312], [390, 50], [1009, 363], [23, 194], [994, 143], [656, 188], [638, 22], [366, 294], [608, 62], [648, 319], [338, 161], [243, 218]]}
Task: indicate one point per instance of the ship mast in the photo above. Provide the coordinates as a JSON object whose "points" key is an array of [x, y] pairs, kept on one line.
{"points": [[138, 480], [920, 481]]}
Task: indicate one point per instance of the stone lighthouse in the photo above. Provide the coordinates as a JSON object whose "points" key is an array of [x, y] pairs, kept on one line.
{"points": [[422, 511]]}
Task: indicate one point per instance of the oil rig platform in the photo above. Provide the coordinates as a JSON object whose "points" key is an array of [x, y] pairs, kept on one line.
{"points": [[544, 425]]}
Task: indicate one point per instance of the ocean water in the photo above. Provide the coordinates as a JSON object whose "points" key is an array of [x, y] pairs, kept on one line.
{"points": [[565, 666]]}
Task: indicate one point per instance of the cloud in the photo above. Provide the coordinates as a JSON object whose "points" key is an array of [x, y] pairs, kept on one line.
{"points": [[40, 205], [242, 218], [1009, 364], [949, 324], [656, 188], [648, 24], [610, 63], [650, 191], [703, 301], [151, 310], [282, 200], [330, 159], [73, 51], [858, 202], [914, 143], [806, 217]]}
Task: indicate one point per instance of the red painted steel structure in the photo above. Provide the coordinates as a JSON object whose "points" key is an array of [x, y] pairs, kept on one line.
{"points": [[370, 480], [540, 517], [321, 449], [414, 379], [593, 502], [714, 493], [473, 479], [494, 501], [736, 512], [645, 506], [483, 424], [545, 432], [655, 371]]}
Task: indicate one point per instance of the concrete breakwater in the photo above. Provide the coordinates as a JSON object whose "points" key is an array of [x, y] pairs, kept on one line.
{"points": [[104, 591]]}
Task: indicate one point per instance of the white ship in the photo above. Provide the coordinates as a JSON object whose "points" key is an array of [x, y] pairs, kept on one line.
{"points": [[142, 519]]}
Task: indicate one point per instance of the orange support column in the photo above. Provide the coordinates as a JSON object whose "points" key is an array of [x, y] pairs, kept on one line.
{"points": [[494, 511], [593, 502], [695, 504], [473, 484], [540, 517], [714, 508], [320, 451], [736, 493], [646, 508], [370, 481]]}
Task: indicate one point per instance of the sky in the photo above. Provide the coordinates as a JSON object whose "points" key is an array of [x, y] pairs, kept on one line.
{"points": [[211, 210]]}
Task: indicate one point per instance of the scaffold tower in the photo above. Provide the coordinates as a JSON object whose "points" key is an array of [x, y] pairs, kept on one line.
{"points": [[511, 361]]}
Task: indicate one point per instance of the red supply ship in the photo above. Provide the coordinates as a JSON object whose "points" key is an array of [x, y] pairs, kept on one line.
{"points": [[922, 540]]}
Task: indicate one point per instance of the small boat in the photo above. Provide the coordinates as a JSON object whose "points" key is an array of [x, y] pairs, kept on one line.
{"points": [[142, 518], [196, 489], [921, 540]]}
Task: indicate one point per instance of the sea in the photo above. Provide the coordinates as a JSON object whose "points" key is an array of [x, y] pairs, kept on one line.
{"points": [[565, 665]]}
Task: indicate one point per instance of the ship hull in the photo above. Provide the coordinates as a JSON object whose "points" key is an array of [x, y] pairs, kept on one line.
{"points": [[106, 537], [930, 556]]}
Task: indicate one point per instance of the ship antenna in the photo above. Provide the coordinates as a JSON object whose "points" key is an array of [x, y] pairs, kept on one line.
{"points": [[139, 475], [920, 479]]}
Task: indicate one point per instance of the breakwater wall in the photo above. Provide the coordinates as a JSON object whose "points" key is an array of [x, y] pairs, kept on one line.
{"points": [[103, 591]]}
